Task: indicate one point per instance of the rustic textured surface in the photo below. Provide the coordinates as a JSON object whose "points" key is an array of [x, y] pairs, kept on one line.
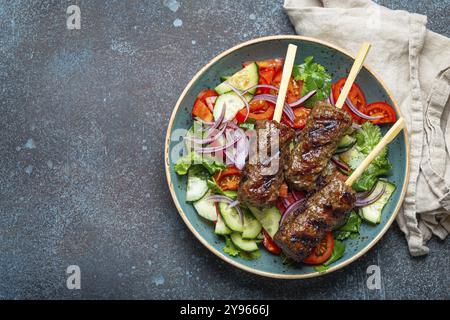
{"points": [[82, 123]]}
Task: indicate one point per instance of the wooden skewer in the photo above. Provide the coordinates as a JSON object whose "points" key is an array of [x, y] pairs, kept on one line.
{"points": [[357, 65], [285, 77], [389, 136]]}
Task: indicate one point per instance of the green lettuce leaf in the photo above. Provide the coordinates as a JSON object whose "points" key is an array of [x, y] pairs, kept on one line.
{"points": [[350, 229], [366, 139], [338, 253], [184, 163], [314, 77]]}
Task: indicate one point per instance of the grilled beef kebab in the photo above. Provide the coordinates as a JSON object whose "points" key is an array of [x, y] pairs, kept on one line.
{"points": [[302, 166], [325, 126], [324, 211], [260, 183]]}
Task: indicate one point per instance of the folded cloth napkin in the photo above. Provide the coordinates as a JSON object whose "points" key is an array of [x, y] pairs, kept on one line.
{"points": [[415, 64]]}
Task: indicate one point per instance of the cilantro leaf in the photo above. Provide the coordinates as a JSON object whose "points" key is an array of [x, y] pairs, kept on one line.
{"points": [[314, 77], [230, 248], [233, 251], [367, 137]]}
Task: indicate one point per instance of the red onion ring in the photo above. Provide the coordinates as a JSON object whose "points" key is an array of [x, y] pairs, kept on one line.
{"points": [[266, 86], [341, 164], [303, 99], [286, 203], [218, 148], [366, 202], [331, 97], [365, 194], [242, 150], [359, 113], [230, 157], [356, 126], [342, 150], [219, 198], [206, 123], [233, 204], [232, 125], [220, 119], [214, 124], [291, 209], [272, 98], [209, 138]]}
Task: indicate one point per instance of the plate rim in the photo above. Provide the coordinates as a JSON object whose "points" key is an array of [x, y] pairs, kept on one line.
{"points": [[220, 254]]}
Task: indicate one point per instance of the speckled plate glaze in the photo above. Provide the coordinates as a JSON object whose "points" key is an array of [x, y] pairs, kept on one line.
{"points": [[338, 63]]}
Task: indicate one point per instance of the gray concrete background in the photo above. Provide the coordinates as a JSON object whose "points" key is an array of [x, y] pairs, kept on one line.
{"points": [[82, 125]]}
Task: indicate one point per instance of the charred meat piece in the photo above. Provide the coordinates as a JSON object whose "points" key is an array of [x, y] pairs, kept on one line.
{"points": [[263, 174], [326, 125], [325, 210]]}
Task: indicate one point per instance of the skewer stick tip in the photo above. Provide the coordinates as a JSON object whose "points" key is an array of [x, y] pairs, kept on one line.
{"points": [[357, 65], [286, 76]]}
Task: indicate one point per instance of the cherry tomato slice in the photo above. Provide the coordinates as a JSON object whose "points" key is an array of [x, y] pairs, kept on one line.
{"points": [[381, 108], [258, 115], [301, 114], [256, 107], [322, 251], [294, 91], [276, 64], [270, 245], [202, 111], [206, 94], [230, 183], [356, 96], [228, 178], [266, 115], [265, 77]]}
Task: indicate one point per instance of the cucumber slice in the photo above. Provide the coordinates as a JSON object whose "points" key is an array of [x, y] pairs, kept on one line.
{"points": [[206, 208], [224, 78], [232, 104], [246, 245], [372, 213], [346, 142], [196, 188], [252, 227], [231, 194], [231, 217], [349, 154], [269, 219], [221, 228], [241, 80]]}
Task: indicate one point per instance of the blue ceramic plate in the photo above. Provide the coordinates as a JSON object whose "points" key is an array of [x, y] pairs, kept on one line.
{"points": [[338, 63]]}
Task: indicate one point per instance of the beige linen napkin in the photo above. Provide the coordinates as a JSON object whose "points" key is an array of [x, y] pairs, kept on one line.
{"points": [[415, 64]]}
